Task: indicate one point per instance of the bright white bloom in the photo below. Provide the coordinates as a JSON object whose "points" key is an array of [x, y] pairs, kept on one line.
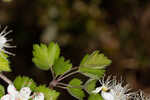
{"points": [[4, 41], [112, 90], [23, 94]]}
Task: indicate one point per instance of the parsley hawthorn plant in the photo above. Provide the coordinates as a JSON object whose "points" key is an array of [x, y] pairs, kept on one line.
{"points": [[48, 57]]}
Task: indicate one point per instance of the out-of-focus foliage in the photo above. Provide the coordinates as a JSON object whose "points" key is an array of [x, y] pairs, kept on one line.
{"points": [[2, 91], [4, 63]]}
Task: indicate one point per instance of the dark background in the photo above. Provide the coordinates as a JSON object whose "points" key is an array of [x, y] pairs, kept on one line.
{"points": [[118, 28]]}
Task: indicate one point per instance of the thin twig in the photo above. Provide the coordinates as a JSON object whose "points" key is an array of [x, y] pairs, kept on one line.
{"points": [[67, 76], [68, 85], [62, 87], [74, 68], [3, 77], [53, 75]]}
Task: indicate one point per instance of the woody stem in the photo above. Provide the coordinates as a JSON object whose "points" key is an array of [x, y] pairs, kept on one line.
{"points": [[3, 77]]}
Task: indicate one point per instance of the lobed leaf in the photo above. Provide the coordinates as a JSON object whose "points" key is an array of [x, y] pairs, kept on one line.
{"points": [[76, 89], [24, 81], [48, 93], [95, 97], [90, 85], [92, 73], [44, 57], [61, 66], [96, 60], [83, 61]]}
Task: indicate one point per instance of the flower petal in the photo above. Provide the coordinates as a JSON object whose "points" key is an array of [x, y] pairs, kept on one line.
{"points": [[107, 96], [8, 97], [11, 89], [98, 89], [39, 96], [25, 92]]}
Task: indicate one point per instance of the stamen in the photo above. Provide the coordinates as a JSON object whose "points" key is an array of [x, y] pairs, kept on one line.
{"points": [[8, 46], [7, 33], [4, 31], [7, 52]]}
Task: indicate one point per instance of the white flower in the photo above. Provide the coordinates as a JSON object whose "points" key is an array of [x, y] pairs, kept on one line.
{"points": [[4, 41], [23, 94], [106, 85], [113, 90]]}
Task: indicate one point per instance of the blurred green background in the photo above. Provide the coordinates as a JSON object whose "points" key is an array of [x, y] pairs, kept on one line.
{"points": [[118, 28]]}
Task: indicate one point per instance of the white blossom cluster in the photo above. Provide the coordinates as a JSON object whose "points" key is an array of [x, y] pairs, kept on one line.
{"points": [[23, 94], [111, 89], [13, 94]]}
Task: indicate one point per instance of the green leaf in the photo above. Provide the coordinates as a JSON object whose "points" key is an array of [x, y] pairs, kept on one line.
{"points": [[92, 73], [48, 93], [76, 89], [4, 63], [44, 57], [95, 97], [84, 59], [96, 60], [2, 91], [90, 85], [24, 81], [61, 66], [93, 65]]}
